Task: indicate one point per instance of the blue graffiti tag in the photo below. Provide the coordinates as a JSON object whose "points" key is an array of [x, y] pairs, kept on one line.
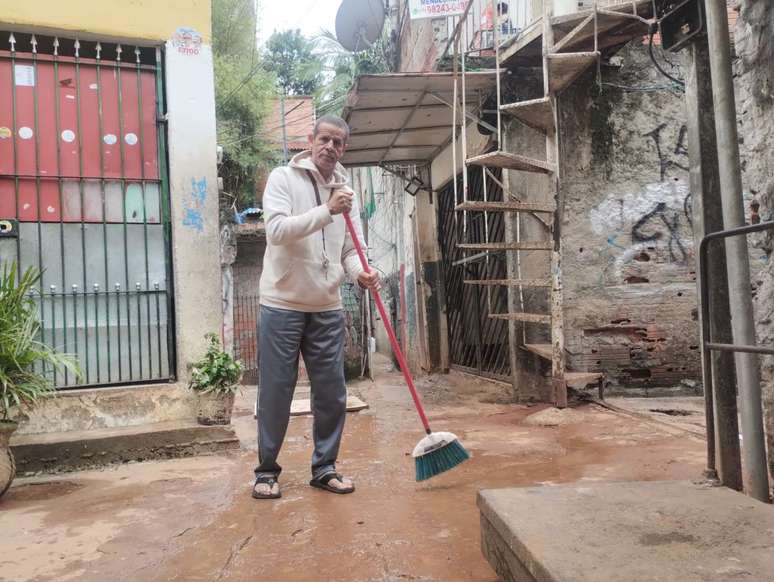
{"points": [[199, 190], [193, 213], [193, 219]]}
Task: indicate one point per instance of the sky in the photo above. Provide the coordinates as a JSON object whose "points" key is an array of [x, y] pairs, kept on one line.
{"points": [[310, 16]]}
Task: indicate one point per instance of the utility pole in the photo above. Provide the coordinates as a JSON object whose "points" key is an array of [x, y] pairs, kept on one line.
{"points": [[743, 323], [723, 454], [284, 127]]}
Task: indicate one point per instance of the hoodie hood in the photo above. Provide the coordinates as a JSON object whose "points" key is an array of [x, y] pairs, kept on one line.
{"points": [[303, 161]]}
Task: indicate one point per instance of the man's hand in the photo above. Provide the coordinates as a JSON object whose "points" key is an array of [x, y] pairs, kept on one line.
{"points": [[369, 280], [340, 202]]}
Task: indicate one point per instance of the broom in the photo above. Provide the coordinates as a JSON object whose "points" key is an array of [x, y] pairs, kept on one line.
{"points": [[438, 451]]}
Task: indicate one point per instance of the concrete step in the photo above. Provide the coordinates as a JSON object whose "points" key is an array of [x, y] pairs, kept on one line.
{"points": [[70, 451], [626, 532]]}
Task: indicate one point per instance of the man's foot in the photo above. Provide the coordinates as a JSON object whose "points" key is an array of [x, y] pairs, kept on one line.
{"points": [[266, 488], [334, 483]]}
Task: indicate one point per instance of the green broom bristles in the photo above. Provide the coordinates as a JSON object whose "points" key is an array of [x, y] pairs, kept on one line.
{"points": [[439, 460]]}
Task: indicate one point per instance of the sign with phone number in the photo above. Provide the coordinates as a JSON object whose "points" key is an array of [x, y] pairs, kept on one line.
{"points": [[436, 8]]}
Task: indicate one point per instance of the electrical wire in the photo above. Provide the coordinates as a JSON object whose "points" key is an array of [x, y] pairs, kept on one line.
{"points": [[680, 83]]}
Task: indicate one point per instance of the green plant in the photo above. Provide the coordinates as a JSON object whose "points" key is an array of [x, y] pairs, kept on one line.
{"points": [[217, 371], [244, 89], [22, 355]]}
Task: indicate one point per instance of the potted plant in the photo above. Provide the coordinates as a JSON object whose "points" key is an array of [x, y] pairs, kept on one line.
{"points": [[215, 379], [26, 364]]}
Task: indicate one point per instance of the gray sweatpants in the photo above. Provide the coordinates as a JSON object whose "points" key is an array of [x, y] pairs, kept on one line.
{"points": [[319, 337]]}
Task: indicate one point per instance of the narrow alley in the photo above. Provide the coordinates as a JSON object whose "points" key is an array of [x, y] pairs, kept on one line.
{"points": [[193, 519], [386, 290]]}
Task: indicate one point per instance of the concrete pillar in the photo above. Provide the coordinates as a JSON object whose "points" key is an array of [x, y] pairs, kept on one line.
{"points": [[430, 287], [190, 94]]}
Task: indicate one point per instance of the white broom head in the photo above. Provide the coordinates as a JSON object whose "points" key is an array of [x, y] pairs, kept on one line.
{"points": [[433, 442]]}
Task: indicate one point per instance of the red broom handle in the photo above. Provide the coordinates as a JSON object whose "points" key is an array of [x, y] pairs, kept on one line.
{"points": [[388, 326]]}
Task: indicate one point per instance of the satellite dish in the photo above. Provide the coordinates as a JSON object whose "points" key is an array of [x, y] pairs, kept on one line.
{"points": [[359, 23]]}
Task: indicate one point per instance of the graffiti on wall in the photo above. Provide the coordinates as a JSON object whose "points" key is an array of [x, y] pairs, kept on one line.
{"points": [[187, 41], [669, 156], [193, 217], [653, 222]]}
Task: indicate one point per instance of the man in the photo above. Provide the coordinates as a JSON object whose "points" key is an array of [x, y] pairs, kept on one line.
{"points": [[308, 252]]}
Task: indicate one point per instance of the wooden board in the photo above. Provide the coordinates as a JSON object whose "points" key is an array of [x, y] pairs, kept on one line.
{"points": [[516, 246], [477, 206], [537, 113], [303, 406], [564, 68], [543, 350], [510, 161], [511, 282], [525, 317]]}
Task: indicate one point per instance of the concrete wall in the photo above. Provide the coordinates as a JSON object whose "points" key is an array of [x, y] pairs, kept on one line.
{"points": [[755, 103], [147, 20], [630, 294], [193, 182], [183, 28]]}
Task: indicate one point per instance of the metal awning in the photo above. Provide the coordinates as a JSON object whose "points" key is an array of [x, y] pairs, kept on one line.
{"points": [[407, 117]]}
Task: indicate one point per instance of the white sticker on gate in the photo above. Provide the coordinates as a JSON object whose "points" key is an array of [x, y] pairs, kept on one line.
{"points": [[131, 138], [25, 132], [24, 75], [68, 135], [110, 139]]}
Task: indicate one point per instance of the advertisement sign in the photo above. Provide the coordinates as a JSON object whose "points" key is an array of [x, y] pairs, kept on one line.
{"points": [[436, 8]]}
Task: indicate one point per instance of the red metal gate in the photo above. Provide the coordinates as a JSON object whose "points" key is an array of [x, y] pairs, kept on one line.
{"points": [[83, 192]]}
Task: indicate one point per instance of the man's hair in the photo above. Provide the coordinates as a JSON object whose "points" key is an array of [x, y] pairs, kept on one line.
{"points": [[333, 120]]}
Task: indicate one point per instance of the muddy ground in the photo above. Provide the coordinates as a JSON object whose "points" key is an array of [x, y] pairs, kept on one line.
{"points": [[193, 519]]}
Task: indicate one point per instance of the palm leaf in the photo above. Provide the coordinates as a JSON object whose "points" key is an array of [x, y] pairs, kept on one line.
{"points": [[22, 354]]}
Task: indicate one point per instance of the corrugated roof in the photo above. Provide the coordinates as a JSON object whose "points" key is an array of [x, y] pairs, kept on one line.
{"points": [[406, 117]]}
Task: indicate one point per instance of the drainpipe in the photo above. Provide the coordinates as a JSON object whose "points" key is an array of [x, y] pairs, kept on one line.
{"points": [[754, 466]]}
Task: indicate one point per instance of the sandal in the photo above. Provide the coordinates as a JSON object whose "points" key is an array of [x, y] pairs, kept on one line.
{"points": [[324, 483], [271, 482]]}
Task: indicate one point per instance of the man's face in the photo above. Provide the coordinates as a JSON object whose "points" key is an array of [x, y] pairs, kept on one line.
{"points": [[327, 147]]}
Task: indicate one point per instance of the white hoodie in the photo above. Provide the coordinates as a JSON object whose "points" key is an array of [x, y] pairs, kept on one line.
{"points": [[294, 274]]}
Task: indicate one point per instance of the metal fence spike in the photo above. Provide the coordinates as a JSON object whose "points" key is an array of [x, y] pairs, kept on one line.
{"points": [[119, 50], [137, 54], [77, 48], [56, 46], [34, 43], [99, 51], [12, 40]]}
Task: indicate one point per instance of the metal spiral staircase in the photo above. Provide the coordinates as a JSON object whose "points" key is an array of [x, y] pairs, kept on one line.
{"points": [[566, 41]]}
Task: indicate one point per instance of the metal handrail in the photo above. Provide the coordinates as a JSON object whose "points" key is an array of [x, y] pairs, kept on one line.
{"points": [[708, 346], [705, 291]]}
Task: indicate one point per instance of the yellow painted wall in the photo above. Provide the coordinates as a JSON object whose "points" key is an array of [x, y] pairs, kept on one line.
{"points": [[150, 20]]}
